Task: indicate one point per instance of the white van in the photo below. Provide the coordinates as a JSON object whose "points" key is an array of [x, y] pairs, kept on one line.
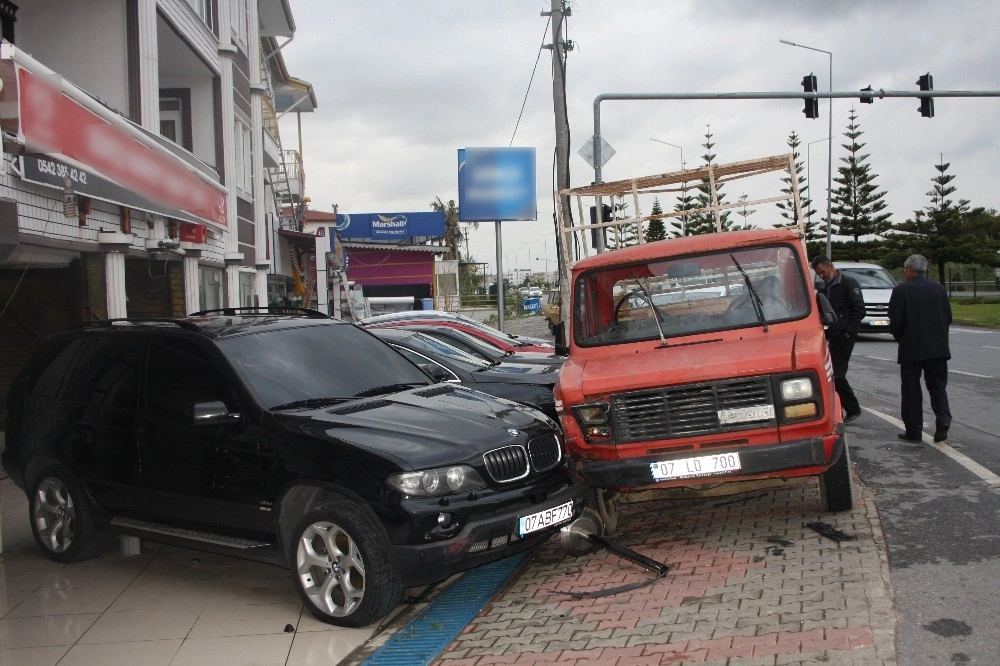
{"points": [[876, 286]]}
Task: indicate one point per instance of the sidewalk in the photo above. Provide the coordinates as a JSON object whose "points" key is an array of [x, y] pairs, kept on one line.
{"points": [[749, 583]]}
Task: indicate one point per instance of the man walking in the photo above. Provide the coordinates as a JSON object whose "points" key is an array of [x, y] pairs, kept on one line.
{"points": [[846, 300], [919, 317]]}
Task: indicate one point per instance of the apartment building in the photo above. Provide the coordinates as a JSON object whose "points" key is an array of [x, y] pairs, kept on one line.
{"points": [[143, 172]]}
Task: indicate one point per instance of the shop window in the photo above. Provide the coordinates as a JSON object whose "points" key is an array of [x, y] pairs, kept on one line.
{"points": [[209, 288]]}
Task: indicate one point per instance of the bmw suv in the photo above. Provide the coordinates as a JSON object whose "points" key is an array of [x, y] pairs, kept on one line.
{"points": [[293, 439]]}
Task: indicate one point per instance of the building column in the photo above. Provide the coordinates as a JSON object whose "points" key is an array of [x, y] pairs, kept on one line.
{"points": [[192, 276], [115, 247]]}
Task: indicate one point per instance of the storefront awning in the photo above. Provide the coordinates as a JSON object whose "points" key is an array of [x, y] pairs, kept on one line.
{"points": [[71, 141]]}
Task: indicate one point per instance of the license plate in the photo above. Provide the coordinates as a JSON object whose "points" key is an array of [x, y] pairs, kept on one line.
{"points": [[719, 463], [542, 519], [879, 322], [744, 414]]}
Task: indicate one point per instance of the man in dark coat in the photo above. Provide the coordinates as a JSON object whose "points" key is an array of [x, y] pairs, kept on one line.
{"points": [[919, 317], [846, 300]]}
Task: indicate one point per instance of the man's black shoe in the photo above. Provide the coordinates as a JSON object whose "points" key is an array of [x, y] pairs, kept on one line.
{"points": [[851, 417], [907, 437], [940, 434]]}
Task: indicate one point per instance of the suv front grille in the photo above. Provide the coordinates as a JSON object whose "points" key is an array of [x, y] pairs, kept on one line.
{"points": [[544, 452], [686, 410], [507, 464]]}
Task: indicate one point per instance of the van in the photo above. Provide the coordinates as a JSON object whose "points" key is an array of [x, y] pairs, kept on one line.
{"points": [[699, 366], [876, 287]]}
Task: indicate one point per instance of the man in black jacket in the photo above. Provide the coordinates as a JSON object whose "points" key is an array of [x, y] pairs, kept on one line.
{"points": [[919, 317], [846, 300]]}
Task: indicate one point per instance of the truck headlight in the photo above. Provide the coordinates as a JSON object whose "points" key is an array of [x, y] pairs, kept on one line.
{"points": [[795, 390]]}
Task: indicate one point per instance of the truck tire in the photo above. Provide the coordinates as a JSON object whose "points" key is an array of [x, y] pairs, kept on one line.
{"points": [[836, 488]]}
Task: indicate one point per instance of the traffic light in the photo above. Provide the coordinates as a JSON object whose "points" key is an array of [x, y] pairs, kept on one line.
{"points": [[926, 82], [811, 108], [605, 217], [867, 99]]}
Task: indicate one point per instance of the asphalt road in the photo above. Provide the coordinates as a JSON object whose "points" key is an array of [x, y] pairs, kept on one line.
{"points": [[938, 505]]}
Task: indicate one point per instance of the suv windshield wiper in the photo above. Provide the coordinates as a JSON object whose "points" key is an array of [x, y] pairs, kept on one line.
{"points": [[388, 388], [755, 302], [309, 402]]}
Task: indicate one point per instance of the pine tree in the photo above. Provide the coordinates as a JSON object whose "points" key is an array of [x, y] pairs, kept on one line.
{"points": [[656, 230], [857, 204], [745, 213], [813, 235], [939, 231], [623, 235], [685, 201], [704, 223]]}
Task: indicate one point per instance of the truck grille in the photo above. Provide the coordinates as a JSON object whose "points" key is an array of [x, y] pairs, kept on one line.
{"points": [[682, 411]]}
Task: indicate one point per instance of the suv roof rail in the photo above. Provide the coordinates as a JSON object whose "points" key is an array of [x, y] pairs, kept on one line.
{"points": [[107, 323], [270, 310]]}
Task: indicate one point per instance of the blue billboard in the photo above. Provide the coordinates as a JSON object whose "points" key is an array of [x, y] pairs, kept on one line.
{"points": [[496, 184], [390, 226]]}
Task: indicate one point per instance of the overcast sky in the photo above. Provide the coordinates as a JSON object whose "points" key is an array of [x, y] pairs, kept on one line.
{"points": [[403, 84]]}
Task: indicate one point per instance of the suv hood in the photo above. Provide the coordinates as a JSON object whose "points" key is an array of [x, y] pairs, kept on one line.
{"points": [[677, 363], [434, 425]]}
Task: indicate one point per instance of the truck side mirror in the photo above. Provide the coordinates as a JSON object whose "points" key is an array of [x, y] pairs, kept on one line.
{"points": [[826, 312]]}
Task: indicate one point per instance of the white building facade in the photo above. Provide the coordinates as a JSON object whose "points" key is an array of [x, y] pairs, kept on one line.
{"points": [[143, 172]]}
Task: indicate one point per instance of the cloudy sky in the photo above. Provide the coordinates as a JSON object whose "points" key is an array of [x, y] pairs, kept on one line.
{"points": [[403, 84]]}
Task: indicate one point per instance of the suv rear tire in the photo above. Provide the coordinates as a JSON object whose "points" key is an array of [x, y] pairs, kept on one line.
{"points": [[340, 564], [61, 519]]}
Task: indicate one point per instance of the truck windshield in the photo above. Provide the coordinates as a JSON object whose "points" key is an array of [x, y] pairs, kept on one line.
{"points": [[688, 295]]}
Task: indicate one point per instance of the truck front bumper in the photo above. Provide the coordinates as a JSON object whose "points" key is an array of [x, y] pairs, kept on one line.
{"points": [[788, 459]]}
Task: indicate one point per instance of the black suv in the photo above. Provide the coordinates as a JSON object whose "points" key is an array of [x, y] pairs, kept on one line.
{"points": [[298, 440]]}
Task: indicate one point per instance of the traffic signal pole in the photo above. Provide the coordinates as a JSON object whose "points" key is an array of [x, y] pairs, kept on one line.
{"points": [[863, 95]]}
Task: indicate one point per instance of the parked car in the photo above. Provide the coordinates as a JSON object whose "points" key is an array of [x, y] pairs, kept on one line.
{"points": [[876, 287], [495, 337], [482, 349], [440, 316], [301, 441], [535, 292], [527, 384]]}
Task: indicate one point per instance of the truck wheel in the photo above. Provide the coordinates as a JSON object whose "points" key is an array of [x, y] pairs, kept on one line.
{"points": [[341, 567], [836, 486], [61, 521]]}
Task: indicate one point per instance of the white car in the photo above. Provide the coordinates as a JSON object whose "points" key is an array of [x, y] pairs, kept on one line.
{"points": [[876, 286]]}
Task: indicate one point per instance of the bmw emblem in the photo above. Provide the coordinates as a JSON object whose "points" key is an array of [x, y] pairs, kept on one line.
{"points": [[513, 432]]}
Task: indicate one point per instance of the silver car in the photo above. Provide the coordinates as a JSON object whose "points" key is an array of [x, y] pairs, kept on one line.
{"points": [[876, 286]]}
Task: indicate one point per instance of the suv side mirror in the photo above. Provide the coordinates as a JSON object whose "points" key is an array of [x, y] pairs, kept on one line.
{"points": [[826, 312], [436, 372], [212, 413]]}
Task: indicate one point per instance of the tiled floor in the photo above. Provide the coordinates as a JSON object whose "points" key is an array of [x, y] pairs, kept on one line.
{"points": [[164, 606]]}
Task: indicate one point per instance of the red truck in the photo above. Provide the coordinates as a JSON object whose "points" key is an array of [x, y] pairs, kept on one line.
{"points": [[699, 363]]}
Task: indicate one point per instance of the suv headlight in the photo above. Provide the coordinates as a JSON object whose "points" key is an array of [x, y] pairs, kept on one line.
{"points": [[434, 482]]}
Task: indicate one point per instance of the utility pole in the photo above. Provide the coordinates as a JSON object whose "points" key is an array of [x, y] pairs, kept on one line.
{"points": [[559, 48]]}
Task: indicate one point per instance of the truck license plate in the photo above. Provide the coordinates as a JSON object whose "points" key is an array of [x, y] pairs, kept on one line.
{"points": [[719, 463], [542, 519], [745, 414]]}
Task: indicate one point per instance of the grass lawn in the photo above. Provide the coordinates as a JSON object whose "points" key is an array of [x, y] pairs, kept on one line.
{"points": [[976, 312]]}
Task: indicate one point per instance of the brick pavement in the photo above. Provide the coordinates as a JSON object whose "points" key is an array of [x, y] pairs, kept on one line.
{"points": [[749, 583]]}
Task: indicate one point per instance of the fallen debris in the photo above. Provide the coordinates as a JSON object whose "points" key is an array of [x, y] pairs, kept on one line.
{"points": [[830, 532]]}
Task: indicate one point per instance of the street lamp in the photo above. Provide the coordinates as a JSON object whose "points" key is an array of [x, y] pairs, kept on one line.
{"points": [[809, 167], [829, 154], [684, 218], [675, 146]]}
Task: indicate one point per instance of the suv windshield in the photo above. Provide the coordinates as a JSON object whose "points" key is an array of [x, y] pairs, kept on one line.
{"points": [[871, 278], [288, 365], [689, 295]]}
